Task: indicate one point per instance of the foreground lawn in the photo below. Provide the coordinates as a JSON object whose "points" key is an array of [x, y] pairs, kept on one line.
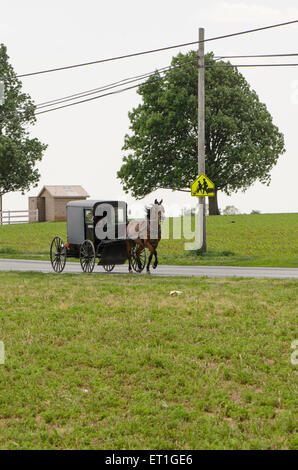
{"points": [[242, 240], [115, 362]]}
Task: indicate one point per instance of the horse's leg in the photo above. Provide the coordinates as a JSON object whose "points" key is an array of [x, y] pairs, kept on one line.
{"points": [[155, 261], [152, 252], [128, 249], [138, 251], [149, 261], [154, 246]]}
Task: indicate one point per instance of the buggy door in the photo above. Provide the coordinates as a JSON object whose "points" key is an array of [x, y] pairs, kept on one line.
{"points": [[89, 224], [110, 220]]}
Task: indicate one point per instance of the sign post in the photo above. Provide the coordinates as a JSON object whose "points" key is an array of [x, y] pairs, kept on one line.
{"points": [[1, 103]]}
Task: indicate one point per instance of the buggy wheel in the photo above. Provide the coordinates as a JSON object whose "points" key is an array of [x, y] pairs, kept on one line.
{"points": [[138, 258], [87, 256], [108, 267], [58, 254]]}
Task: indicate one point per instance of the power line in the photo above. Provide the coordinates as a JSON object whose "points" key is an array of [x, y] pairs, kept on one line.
{"points": [[109, 86], [134, 54], [89, 99], [124, 81], [162, 78], [110, 93], [251, 65], [147, 75], [256, 55], [92, 91]]}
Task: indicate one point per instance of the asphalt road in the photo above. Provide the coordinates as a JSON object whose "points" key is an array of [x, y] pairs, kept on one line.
{"points": [[162, 270]]}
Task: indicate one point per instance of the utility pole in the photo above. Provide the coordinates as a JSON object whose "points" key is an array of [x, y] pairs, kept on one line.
{"points": [[201, 136], [1, 92], [1, 103]]}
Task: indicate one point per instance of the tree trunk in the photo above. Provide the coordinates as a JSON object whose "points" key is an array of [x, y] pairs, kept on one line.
{"points": [[213, 207]]}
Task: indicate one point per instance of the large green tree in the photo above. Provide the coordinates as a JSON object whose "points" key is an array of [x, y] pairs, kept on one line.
{"points": [[18, 152], [242, 143]]}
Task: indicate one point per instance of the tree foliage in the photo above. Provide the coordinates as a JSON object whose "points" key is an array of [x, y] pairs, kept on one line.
{"points": [[242, 143], [18, 152]]}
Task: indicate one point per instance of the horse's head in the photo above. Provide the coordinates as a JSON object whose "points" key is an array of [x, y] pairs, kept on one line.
{"points": [[159, 210]]}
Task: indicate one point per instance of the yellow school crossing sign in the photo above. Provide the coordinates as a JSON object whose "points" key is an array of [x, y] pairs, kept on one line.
{"points": [[202, 186]]}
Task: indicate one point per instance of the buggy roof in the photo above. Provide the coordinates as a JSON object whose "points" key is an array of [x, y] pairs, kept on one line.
{"points": [[90, 203]]}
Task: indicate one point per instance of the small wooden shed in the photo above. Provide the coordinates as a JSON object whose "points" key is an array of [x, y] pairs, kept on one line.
{"points": [[51, 201]]}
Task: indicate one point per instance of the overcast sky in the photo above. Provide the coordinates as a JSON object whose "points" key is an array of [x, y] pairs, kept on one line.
{"points": [[84, 141]]}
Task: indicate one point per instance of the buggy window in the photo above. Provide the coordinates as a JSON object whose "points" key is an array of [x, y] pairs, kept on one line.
{"points": [[88, 217], [89, 231]]}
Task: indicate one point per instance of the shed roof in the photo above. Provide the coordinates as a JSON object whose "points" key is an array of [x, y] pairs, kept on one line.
{"points": [[74, 191]]}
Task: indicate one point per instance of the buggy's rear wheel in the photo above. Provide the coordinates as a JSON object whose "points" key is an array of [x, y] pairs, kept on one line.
{"points": [[87, 256], [108, 267], [58, 254], [138, 258]]}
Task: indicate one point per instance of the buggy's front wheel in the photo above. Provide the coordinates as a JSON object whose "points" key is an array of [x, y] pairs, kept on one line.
{"points": [[58, 254], [87, 256]]}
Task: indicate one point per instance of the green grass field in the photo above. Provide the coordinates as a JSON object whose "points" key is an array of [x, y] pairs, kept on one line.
{"points": [[115, 362], [242, 240]]}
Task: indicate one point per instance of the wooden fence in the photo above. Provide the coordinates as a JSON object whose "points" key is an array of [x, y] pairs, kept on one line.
{"points": [[18, 217]]}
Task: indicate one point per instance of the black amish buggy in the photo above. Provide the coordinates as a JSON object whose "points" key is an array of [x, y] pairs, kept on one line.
{"points": [[96, 231]]}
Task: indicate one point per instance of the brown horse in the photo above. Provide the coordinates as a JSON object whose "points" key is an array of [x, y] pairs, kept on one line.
{"points": [[145, 233]]}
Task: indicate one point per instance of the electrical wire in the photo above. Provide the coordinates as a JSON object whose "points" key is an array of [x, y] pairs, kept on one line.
{"points": [[110, 93], [92, 91], [134, 54], [251, 65], [146, 75], [256, 55], [162, 78], [114, 84]]}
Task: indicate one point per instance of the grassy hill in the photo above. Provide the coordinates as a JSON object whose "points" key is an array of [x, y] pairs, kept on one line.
{"points": [[242, 240]]}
